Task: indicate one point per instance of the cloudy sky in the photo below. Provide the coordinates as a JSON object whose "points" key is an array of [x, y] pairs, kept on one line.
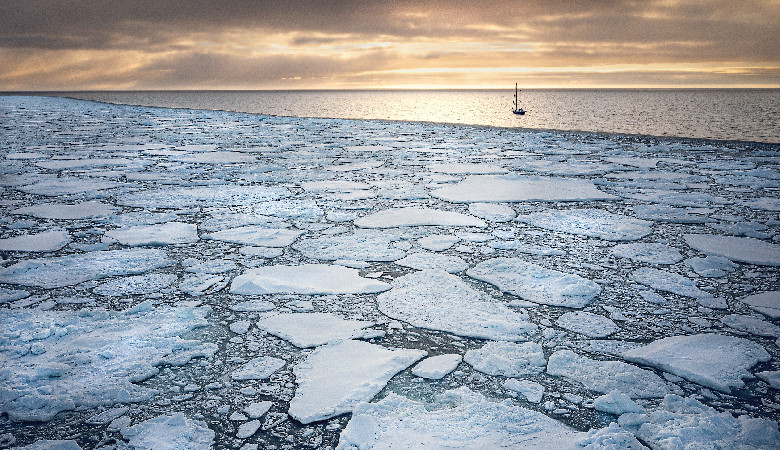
{"points": [[338, 44]]}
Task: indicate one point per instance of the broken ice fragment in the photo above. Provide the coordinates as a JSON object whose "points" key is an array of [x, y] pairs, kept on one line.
{"points": [[313, 279]]}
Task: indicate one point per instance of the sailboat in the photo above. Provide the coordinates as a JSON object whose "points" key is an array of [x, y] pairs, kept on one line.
{"points": [[518, 109]]}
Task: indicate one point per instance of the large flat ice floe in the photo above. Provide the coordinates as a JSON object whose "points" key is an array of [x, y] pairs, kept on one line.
{"points": [[169, 432], [163, 234], [48, 241], [337, 377], [363, 245], [437, 300], [520, 188], [314, 279], [415, 216], [66, 211], [256, 236], [77, 268], [713, 360], [590, 222], [535, 283], [740, 249], [313, 329], [60, 360], [459, 419]]}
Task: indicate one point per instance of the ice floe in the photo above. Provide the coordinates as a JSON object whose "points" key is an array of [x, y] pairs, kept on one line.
{"points": [[588, 324], [590, 222], [717, 361], [508, 359], [520, 188], [414, 216], [364, 245], [767, 303], [425, 260], [256, 236], [740, 249], [668, 282], [335, 378], [313, 329], [315, 279], [47, 241], [135, 285], [257, 369], [535, 283], [437, 367], [64, 211], [150, 235], [437, 300], [651, 253], [169, 432]]}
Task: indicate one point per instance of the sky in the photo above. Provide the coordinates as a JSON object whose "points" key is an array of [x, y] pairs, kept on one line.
{"points": [[342, 44]]}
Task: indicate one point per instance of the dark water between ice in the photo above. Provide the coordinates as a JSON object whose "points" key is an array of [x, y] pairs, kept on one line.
{"points": [[730, 114]]}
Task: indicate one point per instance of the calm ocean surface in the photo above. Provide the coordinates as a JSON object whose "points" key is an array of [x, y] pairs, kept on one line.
{"points": [[730, 114]]}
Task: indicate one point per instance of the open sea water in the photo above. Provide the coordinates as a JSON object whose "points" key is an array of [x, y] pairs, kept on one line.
{"points": [[722, 114]]}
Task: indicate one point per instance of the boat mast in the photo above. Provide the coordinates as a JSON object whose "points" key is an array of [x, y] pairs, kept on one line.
{"points": [[515, 96]]}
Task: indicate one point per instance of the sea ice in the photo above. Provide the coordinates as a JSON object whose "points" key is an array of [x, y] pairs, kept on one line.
{"points": [[164, 234], [62, 211], [60, 360], [313, 279], [47, 241], [217, 195], [47, 444], [258, 368], [438, 242], [616, 403], [437, 367], [74, 269], [520, 188], [338, 376], [135, 285], [590, 222], [256, 236], [606, 376], [711, 266], [588, 324], [507, 359], [767, 303], [467, 168], [663, 213], [535, 283], [713, 360], [740, 249], [426, 260], [414, 216], [459, 419], [532, 391], [752, 325], [651, 253], [56, 187], [492, 212], [312, 329], [169, 432], [436, 300], [668, 282], [686, 423], [363, 245], [771, 377]]}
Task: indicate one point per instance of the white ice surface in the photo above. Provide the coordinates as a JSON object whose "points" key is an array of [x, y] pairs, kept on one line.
{"points": [[162, 234], [47, 241], [312, 329], [520, 188], [532, 391], [437, 300], [363, 245], [588, 324], [335, 378], [767, 303], [507, 359], [535, 283], [74, 269], [426, 260], [256, 236], [60, 360], [134, 285], [590, 222], [314, 279], [170, 432], [438, 242], [64, 211], [668, 282], [460, 419], [714, 360], [416, 216], [492, 212], [606, 376], [651, 253], [258, 368], [740, 249], [437, 367], [224, 195]]}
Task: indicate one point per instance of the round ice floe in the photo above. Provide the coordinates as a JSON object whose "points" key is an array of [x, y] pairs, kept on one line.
{"points": [[314, 279], [740, 249], [520, 188], [508, 359], [425, 260], [437, 367], [767, 303], [536, 283], [590, 222], [462, 419], [713, 360], [436, 300], [171, 432], [648, 252], [415, 216], [163, 234], [438, 242], [588, 324], [492, 212], [48, 241]]}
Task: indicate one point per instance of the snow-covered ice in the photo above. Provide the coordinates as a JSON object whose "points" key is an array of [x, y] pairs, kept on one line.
{"points": [[767, 303], [65, 211], [649, 253], [169, 432], [588, 324], [717, 361], [258, 368], [590, 222], [48, 241], [313, 329], [520, 188], [508, 359], [413, 216], [426, 260], [335, 378], [256, 236], [315, 279], [151, 235], [740, 249], [535, 283], [437, 367]]}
